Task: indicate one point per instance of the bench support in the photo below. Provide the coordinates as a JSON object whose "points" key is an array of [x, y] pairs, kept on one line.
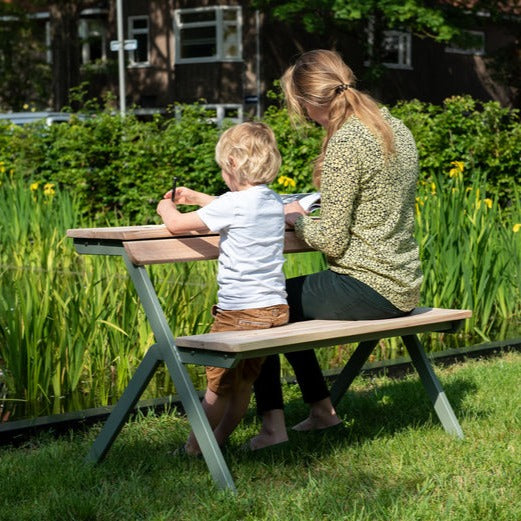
{"points": [[421, 363], [163, 351], [432, 386], [351, 370]]}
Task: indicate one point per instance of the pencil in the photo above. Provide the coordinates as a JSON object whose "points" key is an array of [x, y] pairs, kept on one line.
{"points": [[174, 186]]}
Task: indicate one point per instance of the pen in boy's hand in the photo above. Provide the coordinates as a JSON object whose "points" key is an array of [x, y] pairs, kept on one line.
{"points": [[174, 186]]}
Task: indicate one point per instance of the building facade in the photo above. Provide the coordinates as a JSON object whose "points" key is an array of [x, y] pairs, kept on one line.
{"points": [[228, 54]]}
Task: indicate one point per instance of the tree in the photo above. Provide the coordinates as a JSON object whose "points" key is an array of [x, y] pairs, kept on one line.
{"points": [[439, 20]]}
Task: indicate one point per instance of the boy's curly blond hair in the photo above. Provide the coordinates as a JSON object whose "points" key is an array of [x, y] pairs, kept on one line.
{"points": [[249, 150]]}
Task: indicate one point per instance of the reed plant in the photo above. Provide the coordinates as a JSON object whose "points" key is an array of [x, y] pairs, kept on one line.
{"points": [[470, 249], [72, 331], [71, 326]]}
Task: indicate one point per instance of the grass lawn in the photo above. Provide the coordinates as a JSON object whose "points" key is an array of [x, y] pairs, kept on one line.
{"points": [[391, 462]]}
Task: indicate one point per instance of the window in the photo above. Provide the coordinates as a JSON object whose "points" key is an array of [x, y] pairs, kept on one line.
{"points": [[93, 36], [208, 34], [396, 50], [138, 30], [474, 44], [217, 113], [43, 33], [395, 47]]}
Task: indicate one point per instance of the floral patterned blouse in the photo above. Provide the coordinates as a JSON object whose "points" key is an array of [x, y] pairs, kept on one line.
{"points": [[366, 220]]}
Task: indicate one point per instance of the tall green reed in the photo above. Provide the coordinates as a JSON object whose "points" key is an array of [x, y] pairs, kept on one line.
{"points": [[72, 324], [470, 249], [72, 329]]}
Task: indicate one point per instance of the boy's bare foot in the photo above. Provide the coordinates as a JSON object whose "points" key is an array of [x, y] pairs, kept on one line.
{"points": [[321, 416], [264, 440], [273, 430]]}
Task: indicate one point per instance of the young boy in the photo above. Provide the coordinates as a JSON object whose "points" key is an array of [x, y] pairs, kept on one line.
{"points": [[251, 294]]}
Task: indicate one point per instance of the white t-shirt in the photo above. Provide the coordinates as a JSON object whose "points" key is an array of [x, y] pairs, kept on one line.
{"points": [[251, 225]]}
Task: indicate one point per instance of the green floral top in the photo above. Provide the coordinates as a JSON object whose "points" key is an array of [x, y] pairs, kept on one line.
{"points": [[366, 220]]}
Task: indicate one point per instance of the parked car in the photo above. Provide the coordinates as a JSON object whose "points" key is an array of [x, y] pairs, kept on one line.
{"points": [[22, 118]]}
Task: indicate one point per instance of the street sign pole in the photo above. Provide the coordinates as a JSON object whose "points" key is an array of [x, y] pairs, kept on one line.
{"points": [[121, 58]]}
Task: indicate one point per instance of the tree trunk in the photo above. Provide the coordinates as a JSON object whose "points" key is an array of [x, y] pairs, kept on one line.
{"points": [[65, 46]]}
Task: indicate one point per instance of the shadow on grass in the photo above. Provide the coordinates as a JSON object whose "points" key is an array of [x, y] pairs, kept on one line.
{"points": [[376, 411]]}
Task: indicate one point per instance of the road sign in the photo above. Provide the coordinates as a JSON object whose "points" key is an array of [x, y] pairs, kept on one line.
{"points": [[128, 45]]}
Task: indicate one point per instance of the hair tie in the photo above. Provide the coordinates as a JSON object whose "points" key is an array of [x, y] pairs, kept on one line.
{"points": [[342, 87]]}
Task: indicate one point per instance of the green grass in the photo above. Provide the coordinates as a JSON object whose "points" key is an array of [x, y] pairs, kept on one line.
{"points": [[392, 462]]}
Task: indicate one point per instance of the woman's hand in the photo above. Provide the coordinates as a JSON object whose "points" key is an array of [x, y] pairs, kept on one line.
{"points": [[292, 211]]}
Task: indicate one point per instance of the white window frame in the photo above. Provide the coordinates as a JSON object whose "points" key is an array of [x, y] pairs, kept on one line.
{"points": [[44, 15], [403, 46], [474, 51], [219, 23], [85, 47], [132, 32], [220, 113]]}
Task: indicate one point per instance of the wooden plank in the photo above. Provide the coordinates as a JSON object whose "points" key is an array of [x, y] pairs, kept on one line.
{"points": [[172, 250], [317, 330], [125, 233], [190, 249]]}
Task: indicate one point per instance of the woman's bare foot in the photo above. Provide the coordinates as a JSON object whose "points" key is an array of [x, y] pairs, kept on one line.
{"points": [[321, 416], [273, 431]]}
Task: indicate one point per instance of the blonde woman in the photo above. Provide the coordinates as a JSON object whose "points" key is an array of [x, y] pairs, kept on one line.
{"points": [[366, 172]]}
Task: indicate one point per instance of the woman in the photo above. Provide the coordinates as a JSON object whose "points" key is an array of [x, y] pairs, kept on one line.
{"points": [[366, 172]]}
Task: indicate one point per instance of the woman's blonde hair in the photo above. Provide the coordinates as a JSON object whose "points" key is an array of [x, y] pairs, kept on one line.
{"points": [[249, 151], [321, 78]]}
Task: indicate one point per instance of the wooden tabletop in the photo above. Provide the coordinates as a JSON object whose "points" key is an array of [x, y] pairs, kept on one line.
{"points": [[154, 244]]}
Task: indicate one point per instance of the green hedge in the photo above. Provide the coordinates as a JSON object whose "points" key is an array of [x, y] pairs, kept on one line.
{"points": [[120, 167]]}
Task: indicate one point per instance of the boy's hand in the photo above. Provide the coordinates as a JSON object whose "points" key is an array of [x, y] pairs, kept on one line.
{"points": [[165, 207], [185, 195]]}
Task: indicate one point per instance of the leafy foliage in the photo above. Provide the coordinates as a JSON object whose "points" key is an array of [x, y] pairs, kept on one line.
{"points": [[484, 136], [122, 167], [24, 75]]}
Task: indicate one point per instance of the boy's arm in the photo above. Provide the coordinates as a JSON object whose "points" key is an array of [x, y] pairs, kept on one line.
{"points": [[177, 222], [185, 195]]}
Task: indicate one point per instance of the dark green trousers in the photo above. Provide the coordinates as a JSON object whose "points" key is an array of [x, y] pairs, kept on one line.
{"points": [[324, 295]]}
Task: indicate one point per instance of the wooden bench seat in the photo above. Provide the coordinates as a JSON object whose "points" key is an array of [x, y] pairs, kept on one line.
{"points": [[318, 333]]}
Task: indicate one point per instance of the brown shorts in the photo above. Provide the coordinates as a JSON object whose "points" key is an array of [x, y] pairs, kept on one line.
{"points": [[223, 381]]}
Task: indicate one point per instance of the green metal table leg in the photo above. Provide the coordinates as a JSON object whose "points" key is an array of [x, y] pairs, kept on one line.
{"points": [[126, 403], [351, 370], [184, 385], [432, 386]]}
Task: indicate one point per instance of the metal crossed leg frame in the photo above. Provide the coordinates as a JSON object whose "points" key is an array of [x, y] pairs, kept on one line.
{"points": [[164, 350], [421, 363]]}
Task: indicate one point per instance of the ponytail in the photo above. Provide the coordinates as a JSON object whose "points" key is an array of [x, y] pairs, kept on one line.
{"points": [[322, 79]]}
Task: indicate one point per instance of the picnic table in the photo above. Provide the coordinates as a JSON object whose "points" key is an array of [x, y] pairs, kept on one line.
{"points": [[140, 246]]}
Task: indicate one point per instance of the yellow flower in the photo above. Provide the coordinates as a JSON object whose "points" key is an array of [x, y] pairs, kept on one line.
{"points": [[457, 168], [433, 189], [34, 186], [48, 189], [25, 106], [286, 181], [2, 169], [516, 227], [488, 202]]}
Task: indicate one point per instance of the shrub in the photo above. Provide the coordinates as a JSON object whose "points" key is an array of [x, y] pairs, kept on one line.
{"points": [[484, 136], [122, 166]]}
